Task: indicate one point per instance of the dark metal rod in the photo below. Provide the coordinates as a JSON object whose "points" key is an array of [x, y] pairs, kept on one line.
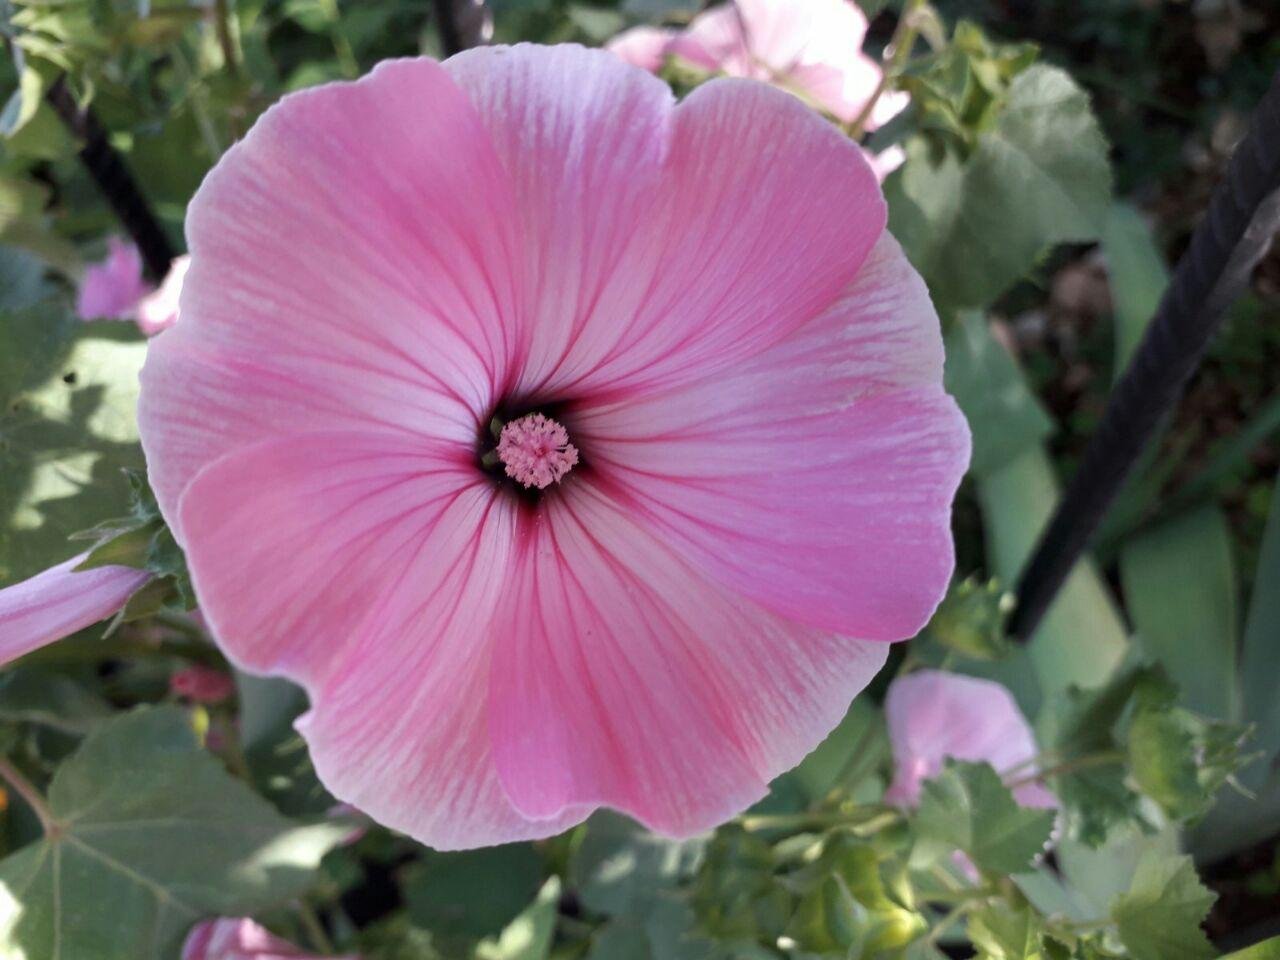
{"points": [[1225, 246], [108, 170], [462, 24]]}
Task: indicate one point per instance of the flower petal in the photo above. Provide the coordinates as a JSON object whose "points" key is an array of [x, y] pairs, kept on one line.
{"points": [[368, 571], [662, 243], [350, 268], [622, 676], [933, 715], [60, 601], [112, 287], [643, 47], [817, 478]]}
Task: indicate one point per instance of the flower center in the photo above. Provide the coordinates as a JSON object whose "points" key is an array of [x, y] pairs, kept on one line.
{"points": [[535, 450]]}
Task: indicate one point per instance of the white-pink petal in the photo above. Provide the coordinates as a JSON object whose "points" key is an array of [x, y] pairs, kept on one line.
{"points": [[934, 715], [60, 601], [622, 676]]}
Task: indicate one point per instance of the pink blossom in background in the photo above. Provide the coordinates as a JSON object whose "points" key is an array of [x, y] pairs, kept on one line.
{"points": [[933, 715], [115, 289], [111, 288], [239, 938], [60, 601], [812, 48], [201, 684], [387, 274]]}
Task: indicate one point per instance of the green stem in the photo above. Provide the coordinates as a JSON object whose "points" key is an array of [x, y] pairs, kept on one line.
{"points": [[899, 49], [314, 928], [24, 788], [1070, 766], [223, 19]]}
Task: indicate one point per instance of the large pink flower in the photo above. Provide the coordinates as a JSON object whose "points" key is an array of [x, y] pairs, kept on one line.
{"points": [[60, 601], [810, 47], [725, 465], [933, 715]]}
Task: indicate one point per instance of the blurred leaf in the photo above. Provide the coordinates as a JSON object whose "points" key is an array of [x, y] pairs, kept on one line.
{"points": [[1037, 176], [68, 391], [1180, 586], [274, 751], [1097, 876], [1138, 277], [528, 936], [1159, 918], [36, 695], [855, 745], [619, 867], [1266, 950], [1004, 416], [968, 808], [1081, 639], [1260, 659], [471, 894], [22, 285], [108, 884], [1002, 932]]}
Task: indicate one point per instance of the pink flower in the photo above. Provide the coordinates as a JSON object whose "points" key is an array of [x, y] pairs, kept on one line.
{"points": [[115, 289], [232, 938], [112, 287], [201, 684], [387, 275], [812, 48], [934, 715], [59, 602]]}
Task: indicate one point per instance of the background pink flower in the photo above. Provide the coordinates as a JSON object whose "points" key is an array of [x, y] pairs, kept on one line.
{"points": [[111, 288], [202, 684], [116, 289], [702, 296], [239, 938], [933, 715], [810, 47], [60, 601]]}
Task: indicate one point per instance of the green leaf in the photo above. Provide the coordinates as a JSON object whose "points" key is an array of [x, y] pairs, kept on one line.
{"points": [[1004, 416], [528, 936], [968, 808], [1180, 760], [467, 895], [110, 882], [1004, 932], [36, 695], [855, 745], [1261, 652], [1266, 950], [1082, 638], [619, 867], [1159, 918], [1138, 277], [1180, 586], [68, 391], [1037, 176]]}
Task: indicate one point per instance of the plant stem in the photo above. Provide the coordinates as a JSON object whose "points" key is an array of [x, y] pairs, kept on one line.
{"points": [[24, 788], [222, 22], [1070, 766], [314, 928], [950, 917], [899, 49]]}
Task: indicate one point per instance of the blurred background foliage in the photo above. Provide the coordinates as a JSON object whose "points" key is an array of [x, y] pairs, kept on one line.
{"points": [[1058, 155]]}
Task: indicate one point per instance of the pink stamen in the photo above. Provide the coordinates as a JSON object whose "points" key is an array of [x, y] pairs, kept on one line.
{"points": [[536, 451]]}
